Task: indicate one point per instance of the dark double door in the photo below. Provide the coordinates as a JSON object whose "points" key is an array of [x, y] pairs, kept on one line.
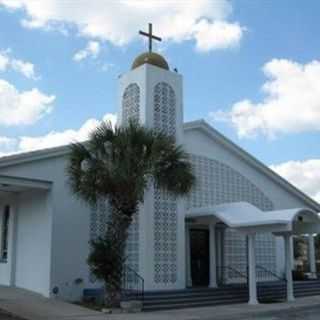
{"points": [[199, 247]]}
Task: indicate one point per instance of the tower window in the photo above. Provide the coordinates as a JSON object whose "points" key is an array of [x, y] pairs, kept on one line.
{"points": [[131, 103], [164, 112], [5, 234]]}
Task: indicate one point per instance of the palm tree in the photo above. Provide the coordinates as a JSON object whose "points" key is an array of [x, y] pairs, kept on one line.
{"points": [[118, 164]]}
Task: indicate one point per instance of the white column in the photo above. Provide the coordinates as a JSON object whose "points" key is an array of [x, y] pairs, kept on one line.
{"points": [[288, 263], [212, 248], [252, 270], [219, 255], [292, 252], [188, 258], [312, 256]]}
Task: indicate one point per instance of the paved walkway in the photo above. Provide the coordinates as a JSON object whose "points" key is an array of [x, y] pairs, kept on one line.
{"points": [[226, 312], [5, 316], [30, 306]]}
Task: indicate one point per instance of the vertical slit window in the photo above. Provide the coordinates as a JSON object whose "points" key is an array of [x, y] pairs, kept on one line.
{"points": [[5, 233]]}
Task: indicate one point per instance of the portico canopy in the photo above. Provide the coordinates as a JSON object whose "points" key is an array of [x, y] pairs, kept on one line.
{"points": [[20, 184], [247, 218]]}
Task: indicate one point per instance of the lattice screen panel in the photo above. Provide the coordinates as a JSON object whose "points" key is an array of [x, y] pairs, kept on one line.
{"points": [[98, 220], [131, 103], [164, 113], [131, 110], [218, 183], [133, 245], [165, 205]]}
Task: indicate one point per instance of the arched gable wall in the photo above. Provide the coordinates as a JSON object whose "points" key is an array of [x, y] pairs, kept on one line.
{"points": [[218, 183]]}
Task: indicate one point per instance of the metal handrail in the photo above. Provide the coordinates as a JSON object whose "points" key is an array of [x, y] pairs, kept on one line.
{"points": [[132, 287], [228, 272], [243, 275], [225, 269], [269, 272]]}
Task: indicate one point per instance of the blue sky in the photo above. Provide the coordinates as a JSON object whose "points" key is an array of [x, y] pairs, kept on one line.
{"points": [[250, 68]]}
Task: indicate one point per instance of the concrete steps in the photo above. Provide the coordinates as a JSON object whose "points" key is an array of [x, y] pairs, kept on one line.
{"points": [[189, 298], [230, 294]]}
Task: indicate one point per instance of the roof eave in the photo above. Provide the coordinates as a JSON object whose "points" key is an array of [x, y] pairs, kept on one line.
{"points": [[209, 130], [20, 158]]}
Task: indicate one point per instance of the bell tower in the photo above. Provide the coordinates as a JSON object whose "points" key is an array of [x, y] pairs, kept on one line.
{"points": [[152, 94]]}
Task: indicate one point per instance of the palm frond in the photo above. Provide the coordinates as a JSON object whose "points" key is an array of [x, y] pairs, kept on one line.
{"points": [[173, 170], [121, 162]]}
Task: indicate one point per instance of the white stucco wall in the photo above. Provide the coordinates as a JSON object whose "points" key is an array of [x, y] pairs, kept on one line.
{"points": [[33, 235], [158, 273], [197, 142], [146, 77], [67, 229], [53, 229]]}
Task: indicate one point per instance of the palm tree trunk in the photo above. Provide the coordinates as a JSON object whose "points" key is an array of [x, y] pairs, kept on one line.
{"points": [[117, 231]]}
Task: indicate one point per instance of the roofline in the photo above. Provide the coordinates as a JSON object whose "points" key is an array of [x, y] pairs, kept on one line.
{"points": [[213, 133], [197, 124], [20, 158], [25, 182]]}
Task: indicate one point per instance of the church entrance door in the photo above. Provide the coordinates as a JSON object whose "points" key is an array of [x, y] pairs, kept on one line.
{"points": [[199, 247]]}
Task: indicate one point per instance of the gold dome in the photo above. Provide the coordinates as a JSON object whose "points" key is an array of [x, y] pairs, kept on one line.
{"points": [[150, 58]]}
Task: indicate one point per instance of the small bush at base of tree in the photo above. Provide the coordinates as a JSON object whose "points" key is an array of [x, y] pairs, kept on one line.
{"points": [[107, 258]]}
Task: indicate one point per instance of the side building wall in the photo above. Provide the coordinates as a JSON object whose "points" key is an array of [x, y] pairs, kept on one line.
{"points": [[61, 232], [32, 241]]}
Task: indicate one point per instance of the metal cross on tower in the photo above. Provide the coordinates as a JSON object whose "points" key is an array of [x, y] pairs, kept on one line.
{"points": [[150, 36]]}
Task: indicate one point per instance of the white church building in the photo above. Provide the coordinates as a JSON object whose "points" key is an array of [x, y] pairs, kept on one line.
{"points": [[240, 213]]}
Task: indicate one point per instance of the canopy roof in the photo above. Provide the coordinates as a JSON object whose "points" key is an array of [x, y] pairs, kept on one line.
{"points": [[248, 218], [20, 184]]}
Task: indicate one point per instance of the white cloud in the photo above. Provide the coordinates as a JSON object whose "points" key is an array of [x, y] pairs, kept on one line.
{"points": [[204, 21], [26, 107], [291, 103], [217, 35], [24, 67], [91, 50], [110, 117], [305, 175], [52, 139], [4, 61], [7, 145], [12, 4]]}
